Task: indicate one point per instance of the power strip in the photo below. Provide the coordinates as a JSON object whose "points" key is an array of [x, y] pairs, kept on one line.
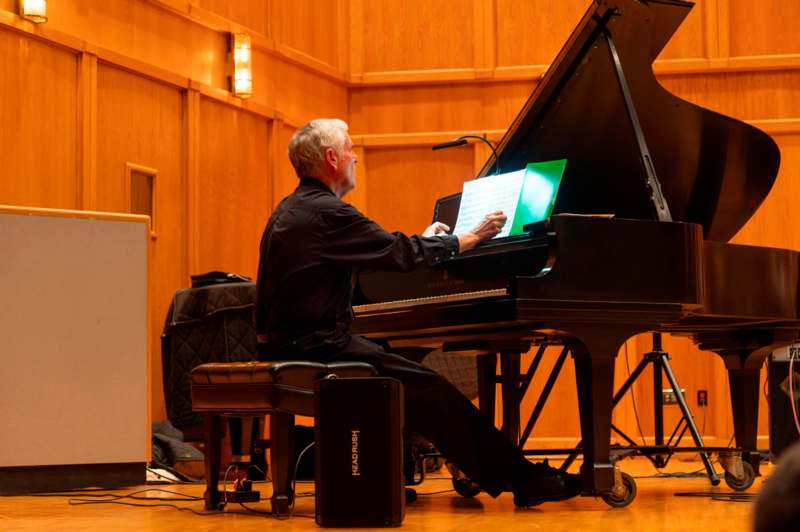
{"points": [[241, 496]]}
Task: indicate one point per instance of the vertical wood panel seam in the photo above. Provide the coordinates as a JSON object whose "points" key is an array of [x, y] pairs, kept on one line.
{"points": [[479, 37], [342, 42], [191, 133], [86, 197], [711, 30], [356, 67], [491, 35], [724, 28]]}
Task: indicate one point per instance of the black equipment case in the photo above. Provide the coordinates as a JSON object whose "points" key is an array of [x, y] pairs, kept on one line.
{"points": [[359, 452]]}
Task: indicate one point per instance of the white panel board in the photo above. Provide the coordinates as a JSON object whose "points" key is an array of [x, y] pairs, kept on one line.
{"points": [[73, 340]]}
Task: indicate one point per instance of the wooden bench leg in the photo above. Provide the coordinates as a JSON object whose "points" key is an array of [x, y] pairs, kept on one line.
{"points": [[212, 435], [281, 444]]}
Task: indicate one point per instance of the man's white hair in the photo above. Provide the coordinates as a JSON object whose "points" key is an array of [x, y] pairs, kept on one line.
{"points": [[308, 144]]}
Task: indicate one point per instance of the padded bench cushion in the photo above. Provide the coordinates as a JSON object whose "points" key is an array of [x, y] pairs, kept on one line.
{"points": [[288, 385]]}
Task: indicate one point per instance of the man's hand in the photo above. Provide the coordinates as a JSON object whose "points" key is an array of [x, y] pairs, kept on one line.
{"points": [[437, 228], [490, 226]]}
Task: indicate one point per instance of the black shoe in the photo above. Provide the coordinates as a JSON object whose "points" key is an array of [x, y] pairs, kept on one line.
{"points": [[545, 483], [411, 495]]}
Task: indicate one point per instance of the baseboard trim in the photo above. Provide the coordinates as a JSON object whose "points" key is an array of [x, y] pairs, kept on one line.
{"points": [[566, 442], [49, 478]]}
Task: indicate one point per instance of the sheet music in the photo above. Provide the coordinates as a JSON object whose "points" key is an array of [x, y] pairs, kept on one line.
{"points": [[488, 194]]}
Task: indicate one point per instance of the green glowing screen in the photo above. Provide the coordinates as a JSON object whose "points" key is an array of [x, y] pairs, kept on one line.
{"points": [[538, 195]]}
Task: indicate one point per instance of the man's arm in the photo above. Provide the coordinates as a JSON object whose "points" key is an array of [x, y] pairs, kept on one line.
{"points": [[490, 226], [355, 240]]}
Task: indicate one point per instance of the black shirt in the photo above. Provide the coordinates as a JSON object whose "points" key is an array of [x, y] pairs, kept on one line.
{"points": [[310, 249]]}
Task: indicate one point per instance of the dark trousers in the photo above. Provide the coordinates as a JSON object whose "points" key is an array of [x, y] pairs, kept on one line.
{"points": [[438, 411]]}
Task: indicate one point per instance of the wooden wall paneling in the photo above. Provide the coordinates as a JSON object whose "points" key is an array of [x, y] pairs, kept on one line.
{"points": [[265, 83], [302, 95], [418, 35], [38, 122], [558, 424], [264, 42], [485, 40], [191, 162], [87, 131], [481, 154], [140, 121], [382, 110], [718, 25], [252, 14], [777, 223], [404, 183], [768, 29], [691, 40], [624, 415], [342, 37], [285, 179], [755, 95], [310, 27], [355, 65], [233, 193], [147, 32], [531, 32]]}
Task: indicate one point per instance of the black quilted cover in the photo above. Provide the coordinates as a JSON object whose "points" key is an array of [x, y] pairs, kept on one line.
{"points": [[209, 324]]}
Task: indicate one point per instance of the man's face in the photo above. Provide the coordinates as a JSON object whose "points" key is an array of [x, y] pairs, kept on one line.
{"points": [[346, 167]]}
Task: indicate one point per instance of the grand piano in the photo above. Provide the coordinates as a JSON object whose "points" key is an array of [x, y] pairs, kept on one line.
{"points": [[678, 179]]}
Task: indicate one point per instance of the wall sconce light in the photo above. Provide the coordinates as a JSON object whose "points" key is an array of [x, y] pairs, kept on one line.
{"points": [[34, 10], [242, 78]]}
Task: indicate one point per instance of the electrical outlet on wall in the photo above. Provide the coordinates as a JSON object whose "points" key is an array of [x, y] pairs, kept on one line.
{"points": [[702, 397], [668, 396]]}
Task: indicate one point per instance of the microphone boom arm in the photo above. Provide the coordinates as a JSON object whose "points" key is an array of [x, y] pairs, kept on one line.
{"points": [[462, 140]]}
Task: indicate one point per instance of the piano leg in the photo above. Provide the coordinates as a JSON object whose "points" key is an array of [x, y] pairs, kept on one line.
{"points": [[594, 349], [594, 377], [744, 386], [509, 373], [744, 352]]}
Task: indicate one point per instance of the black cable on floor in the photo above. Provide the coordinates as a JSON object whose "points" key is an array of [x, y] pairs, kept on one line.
{"points": [[717, 496]]}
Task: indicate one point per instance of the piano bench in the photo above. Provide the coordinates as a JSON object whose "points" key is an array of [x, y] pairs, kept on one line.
{"points": [[280, 390]]}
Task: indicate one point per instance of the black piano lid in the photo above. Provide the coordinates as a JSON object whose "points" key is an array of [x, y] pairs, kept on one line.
{"points": [[714, 170]]}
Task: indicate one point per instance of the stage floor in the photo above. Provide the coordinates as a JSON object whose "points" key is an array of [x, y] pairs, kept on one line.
{"points": [[656, 508]]}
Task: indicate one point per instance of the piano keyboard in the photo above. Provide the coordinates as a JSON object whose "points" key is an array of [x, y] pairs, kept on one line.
{"points": [[447, 298]]}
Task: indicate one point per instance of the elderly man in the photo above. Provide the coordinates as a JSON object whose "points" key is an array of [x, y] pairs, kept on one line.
{"points": [[312, 245]]}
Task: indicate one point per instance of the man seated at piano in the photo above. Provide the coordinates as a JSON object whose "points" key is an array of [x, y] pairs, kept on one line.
{"points": [[311, 247]]}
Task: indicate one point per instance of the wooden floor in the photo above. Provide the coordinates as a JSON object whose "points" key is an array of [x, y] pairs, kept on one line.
{"points": [[655, 508]]}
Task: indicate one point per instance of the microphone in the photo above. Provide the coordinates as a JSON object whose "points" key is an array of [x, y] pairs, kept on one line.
{"points": [[460, 141], [450, 144]]}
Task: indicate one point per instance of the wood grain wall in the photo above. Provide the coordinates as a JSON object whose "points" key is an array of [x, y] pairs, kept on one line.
{"points": [[104, 84], [107, 84]]}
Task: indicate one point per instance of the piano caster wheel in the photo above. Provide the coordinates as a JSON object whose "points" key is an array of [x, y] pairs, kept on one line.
{"points": [[745, 481], [623, 492]]}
